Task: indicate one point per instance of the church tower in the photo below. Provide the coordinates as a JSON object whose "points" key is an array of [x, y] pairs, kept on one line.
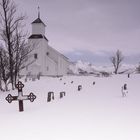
{"points": [[38, 28], [44, 59], [40, 43]]}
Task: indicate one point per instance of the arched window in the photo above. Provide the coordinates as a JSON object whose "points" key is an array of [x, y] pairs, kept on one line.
{"points": [[35, 56]]}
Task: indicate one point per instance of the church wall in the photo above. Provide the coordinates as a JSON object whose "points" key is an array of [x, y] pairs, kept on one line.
{"points": [[63, 66], [43, 54], [52, 54], [39, 62], [52, 64], [60, 60], [51, 67]]}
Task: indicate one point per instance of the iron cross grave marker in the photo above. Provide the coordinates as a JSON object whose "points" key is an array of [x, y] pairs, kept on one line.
{"points": [[20, 98]]}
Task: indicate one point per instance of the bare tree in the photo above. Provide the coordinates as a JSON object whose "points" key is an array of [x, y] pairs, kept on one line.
{"points": [[9, 22], [116, 60], [138, 68], [11, 32], [1, 69], [21, 52], [4, 68]]}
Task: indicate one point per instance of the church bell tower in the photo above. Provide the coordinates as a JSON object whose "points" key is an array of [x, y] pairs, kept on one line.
{"points": [[38, 27], [43, 59]]}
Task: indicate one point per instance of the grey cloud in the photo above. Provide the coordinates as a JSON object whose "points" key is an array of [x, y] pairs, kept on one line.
{"points": [[88, 24]]}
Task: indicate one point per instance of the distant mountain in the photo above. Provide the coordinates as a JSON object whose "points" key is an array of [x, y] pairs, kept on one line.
{"points": [[100, 57], [85, 68]]}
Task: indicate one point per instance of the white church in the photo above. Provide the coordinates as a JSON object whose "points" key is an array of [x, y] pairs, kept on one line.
{"points": [[44, 59]]}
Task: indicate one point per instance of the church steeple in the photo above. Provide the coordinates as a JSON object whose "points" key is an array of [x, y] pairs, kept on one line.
{"points": [[38, 20], [38, 26]]}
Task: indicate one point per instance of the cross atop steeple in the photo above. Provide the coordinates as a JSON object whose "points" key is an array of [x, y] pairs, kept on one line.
{"points": [[38, 12]]}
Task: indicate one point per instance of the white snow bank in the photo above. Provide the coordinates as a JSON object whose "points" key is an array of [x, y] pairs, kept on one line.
{"points": [[97, 112]]}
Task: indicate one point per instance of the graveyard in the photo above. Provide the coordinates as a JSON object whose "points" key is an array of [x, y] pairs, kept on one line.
{"points": [[72, 108]]}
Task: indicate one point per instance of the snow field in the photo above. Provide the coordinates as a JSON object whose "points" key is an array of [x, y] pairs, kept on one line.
{"points": [[97, 112]]}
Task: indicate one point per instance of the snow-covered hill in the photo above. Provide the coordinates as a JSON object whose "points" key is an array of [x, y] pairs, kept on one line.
{"points": [[97, 112], [81, 67]]}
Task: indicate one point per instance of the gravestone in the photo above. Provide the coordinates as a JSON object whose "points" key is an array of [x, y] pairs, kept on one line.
{"points": [[34, 77], [94, 83], [79, 87], [20, 98], [63, 93], [50, 96], [124, 90], [39, 75]]}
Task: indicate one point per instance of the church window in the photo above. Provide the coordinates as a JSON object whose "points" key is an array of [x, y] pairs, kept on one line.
{"points": [[47, 53], [35, 55], [47, 68]]}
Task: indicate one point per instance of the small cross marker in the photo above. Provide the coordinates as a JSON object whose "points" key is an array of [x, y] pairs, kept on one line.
{"points": [[20, 98]]}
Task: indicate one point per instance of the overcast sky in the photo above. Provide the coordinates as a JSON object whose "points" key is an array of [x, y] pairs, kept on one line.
{"points": [[98, 26]]}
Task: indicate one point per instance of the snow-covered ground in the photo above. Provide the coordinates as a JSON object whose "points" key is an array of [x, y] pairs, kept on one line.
{"points": [[97, 112]]}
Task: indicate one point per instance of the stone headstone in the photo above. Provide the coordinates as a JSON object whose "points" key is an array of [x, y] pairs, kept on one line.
{"points": [[79, 87], [63, 93], [71, 82], [50, 96], [33, 78]]}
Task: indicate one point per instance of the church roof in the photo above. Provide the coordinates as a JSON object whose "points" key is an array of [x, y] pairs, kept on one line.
{"points": [[37, 36], [38, 20]]}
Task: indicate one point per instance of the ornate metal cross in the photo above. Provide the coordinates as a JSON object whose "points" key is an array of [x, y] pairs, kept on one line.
{"points": [[20, 96]]}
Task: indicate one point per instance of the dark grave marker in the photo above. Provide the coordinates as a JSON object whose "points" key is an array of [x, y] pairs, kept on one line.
{"points": [[128, 75], [64, 83], [20, 98], [79, 87], [124, 90], [33, 78], [25, 80], [71, 82], [38, 76], [93, 83], [50, 96], [63, 93]]}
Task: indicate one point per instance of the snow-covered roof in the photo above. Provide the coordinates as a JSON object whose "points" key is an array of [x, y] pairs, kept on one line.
{"points": [[38, 20]]}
